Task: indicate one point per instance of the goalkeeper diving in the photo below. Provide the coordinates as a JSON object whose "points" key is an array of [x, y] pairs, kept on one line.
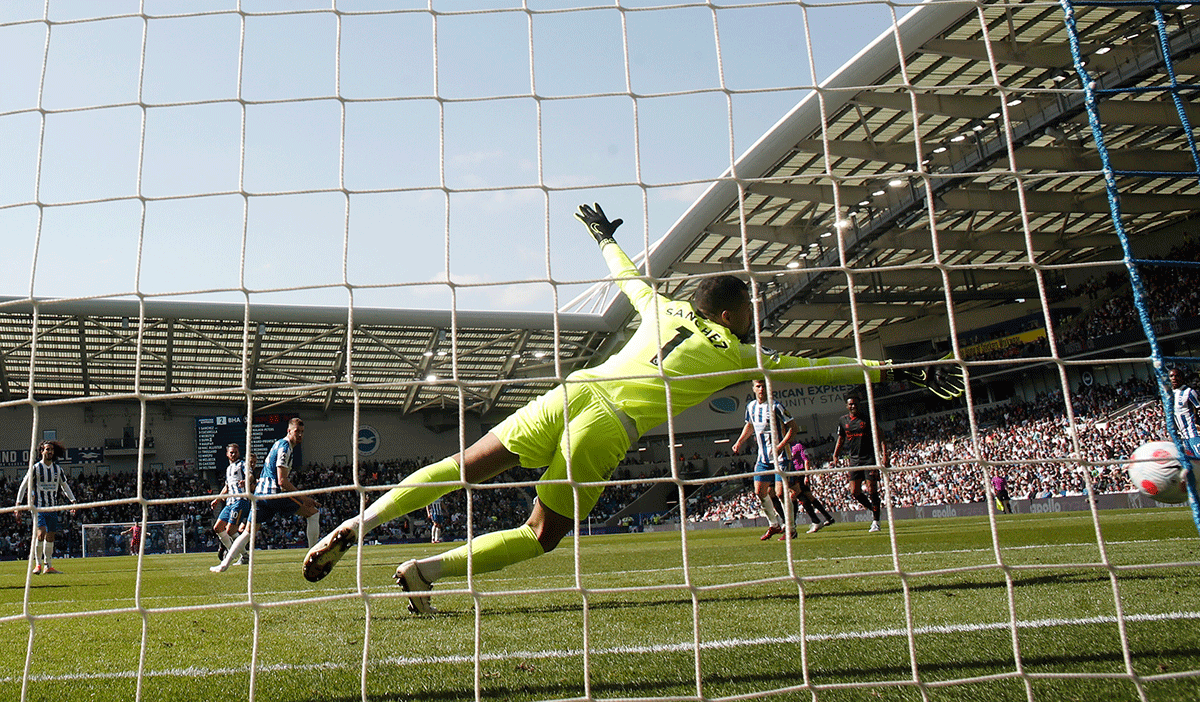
{"points": [[681, 353]]}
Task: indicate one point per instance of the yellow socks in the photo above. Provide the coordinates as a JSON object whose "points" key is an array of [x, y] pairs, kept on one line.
{"points": [[414, 492], [489, 552]]}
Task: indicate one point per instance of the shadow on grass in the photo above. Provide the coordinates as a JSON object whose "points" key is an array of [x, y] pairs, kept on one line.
{"points": [[780, 679], [43, 585], [1032, 664], [1075, 577]]}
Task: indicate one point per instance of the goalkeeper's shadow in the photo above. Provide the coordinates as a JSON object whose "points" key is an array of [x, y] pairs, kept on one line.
{"points": [[552, 609], [1085, 576]]}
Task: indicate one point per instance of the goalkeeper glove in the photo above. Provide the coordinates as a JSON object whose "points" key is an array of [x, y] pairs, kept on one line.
{"points": [[945, 381], [599, 226]]}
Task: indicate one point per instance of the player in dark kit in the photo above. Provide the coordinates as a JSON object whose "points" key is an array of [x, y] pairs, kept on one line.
{"points": [[856, 441]]}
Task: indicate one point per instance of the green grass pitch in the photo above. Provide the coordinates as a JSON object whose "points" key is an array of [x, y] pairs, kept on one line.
{"points": [[771, 621]]}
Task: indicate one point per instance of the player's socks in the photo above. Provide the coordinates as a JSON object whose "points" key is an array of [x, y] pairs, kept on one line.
{"points": [[808, 509], [225, 539], [414, 492], [47, 552], [235, 549], [768, 509], [875, 503], [489, 552], [779, 509], [314, 529]]}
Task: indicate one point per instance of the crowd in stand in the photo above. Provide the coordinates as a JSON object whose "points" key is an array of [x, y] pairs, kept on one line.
{"points": [[1172, 293], [932, 463], [1029, 443]]}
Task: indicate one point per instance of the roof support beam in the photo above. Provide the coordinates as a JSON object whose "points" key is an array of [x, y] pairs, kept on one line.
{"points": [[1027, 53], [463, 351], [924, 277], [725, 266], [1075, 158], [961, 240], [935, 296], [995, 200], [896, 152], [1142, 113], [841, 311], [400, 357], [758, 232], [260, 330], [422, 370], [788, 344], [1035, 116], [919, 239], [332, 331], [848, 194], [169, 367], [1047, 158], [493, 393], [945, 105], [83, 356], [976, 199], [339, 371], [1131, 112]]}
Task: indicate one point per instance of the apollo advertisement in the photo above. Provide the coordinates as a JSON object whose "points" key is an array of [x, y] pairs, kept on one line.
{"points": [[814, 407]]}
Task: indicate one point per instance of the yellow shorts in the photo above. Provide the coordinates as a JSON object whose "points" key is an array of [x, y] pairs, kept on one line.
{"points": [[579, 442]]}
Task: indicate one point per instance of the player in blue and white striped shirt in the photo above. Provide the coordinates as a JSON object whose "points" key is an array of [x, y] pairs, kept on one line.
{"points": [[1187, 405], [236, 509], [436, 511], [765, 417], [47, 478], [270, 494]]}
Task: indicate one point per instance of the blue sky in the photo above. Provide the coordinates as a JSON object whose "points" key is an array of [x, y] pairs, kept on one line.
{"points": [[392, 164]]}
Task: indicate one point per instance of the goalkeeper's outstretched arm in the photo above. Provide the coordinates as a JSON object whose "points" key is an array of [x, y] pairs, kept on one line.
{"points": [[619, 264], [942, 379]]}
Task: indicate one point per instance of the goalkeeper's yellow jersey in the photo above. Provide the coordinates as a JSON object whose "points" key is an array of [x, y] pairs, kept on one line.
{"points": [[698, 357]]}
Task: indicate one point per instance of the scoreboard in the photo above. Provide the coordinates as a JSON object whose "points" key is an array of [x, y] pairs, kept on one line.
{"points": [[213, 434]]}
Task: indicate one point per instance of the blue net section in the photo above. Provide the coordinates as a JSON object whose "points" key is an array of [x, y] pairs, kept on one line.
{"points": [[1097, 90]]}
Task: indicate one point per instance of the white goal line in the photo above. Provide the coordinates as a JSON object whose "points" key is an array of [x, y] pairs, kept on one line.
{"points": [[405, 661]]}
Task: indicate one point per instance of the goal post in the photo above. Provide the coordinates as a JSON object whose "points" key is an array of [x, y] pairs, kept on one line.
{"points": [[110, 540]]}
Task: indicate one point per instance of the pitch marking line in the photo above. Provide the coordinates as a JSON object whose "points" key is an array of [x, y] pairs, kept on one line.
{"points": [[196, 672], [743, 564]]}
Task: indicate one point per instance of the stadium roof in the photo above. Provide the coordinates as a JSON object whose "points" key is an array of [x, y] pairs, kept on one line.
{"points": [[287, 355], [999, 123]]}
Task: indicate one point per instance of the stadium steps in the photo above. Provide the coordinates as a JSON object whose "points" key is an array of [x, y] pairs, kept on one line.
{"points": [[1135, 406], [662, 497]]}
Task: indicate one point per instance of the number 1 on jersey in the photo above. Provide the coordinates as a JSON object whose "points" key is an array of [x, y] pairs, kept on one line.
{"points": [[681, 335]]}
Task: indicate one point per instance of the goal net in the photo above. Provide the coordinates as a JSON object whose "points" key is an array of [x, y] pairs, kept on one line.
{"points": [[118, 539], [339, 209]]}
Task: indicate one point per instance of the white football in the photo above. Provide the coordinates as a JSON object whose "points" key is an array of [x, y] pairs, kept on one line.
{"points": [[1156, 471]]}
